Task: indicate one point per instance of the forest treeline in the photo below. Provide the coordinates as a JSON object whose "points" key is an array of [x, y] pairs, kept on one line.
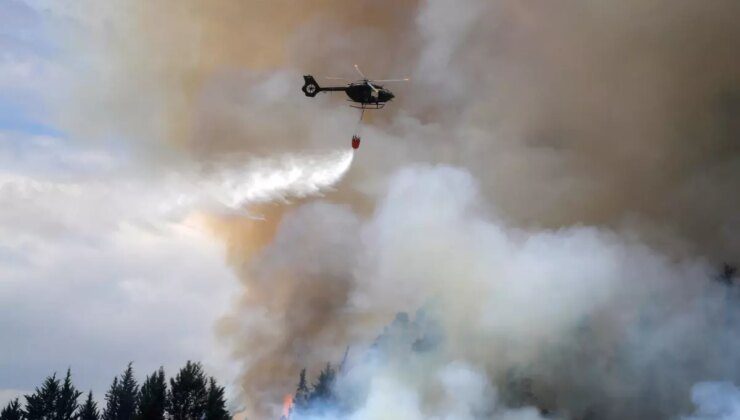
{"points": [[421, 333], [190, 395]]}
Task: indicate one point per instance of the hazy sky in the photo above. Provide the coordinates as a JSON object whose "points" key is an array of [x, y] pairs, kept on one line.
{"points": [[93, 274]]}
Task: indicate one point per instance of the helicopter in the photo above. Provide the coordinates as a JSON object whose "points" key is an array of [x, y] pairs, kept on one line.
{"points": [[364, 93]]}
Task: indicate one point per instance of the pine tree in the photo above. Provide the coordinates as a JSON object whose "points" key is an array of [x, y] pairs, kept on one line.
{"points": [[89, 410], [301, 392], [128, 393], [153, 397], [112, 401], [41, 405], [187, 396], [12, 411], [121, 397], [323, 389], [215, 402], [66, 404], [727, 275]]}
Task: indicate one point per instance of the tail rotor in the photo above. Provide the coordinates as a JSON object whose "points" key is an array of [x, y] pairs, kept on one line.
{"points": [[310, 86]]}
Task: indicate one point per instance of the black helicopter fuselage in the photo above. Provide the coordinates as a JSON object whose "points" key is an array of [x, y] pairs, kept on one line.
{"points": [[364, 94], [361, 92]]}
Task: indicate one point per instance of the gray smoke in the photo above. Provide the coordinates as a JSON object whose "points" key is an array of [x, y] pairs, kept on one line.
{"points": [[578, 321], [567, 244], [715, 401]]}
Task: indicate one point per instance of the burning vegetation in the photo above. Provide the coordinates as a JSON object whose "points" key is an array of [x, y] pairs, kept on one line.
{"points": [[287, 407]]}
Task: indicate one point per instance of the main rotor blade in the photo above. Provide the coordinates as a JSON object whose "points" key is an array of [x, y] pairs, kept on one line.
{"points": [[336, 78], [360, 72], [392, 80], [376, 92]]}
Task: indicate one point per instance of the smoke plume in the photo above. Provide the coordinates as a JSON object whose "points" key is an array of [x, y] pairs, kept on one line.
{"points": [[578, 192]]}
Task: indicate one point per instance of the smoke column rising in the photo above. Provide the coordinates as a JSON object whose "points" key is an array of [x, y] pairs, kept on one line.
{"points": [[566, 245], [587, 316]]}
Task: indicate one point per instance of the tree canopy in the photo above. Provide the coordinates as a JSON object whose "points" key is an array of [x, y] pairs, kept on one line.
{"points": [[191, 396]]}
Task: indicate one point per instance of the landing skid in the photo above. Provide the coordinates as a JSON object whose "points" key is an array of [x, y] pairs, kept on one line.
{"points": [[369, 106]]}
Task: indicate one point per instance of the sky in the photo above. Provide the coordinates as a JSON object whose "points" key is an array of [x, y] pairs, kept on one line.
{"points": [[92, 275], [108, 252]]}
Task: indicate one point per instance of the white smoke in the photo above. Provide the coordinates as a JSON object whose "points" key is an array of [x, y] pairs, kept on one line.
{"points": [[583, 313], [465, 395], [715, 401]]}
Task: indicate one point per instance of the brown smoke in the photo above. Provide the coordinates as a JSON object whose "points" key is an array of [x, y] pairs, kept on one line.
{"points": [[621, 114], [294, 298], [186, 52], [612, 110]]}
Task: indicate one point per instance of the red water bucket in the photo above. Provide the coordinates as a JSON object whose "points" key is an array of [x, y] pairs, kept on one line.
{"points": [[355, 142]]}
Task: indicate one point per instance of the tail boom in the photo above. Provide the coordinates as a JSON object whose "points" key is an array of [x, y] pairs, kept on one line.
{"points": [[311, 87]]}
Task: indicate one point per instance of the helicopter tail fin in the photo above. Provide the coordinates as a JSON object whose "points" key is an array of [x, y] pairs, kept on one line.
{"points": [[310, 87]]}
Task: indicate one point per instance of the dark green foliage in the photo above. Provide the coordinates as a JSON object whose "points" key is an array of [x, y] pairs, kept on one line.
{"points": [[121, 397], [12, 411], [129, 391], [41, 405], [215, 402], [66, 404], [320, 400], [302, 392], [153, 397], [111, 401], [187, 396], [192, 396], [54, 400], [323, 388], [89, 410], [727, 275]]}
